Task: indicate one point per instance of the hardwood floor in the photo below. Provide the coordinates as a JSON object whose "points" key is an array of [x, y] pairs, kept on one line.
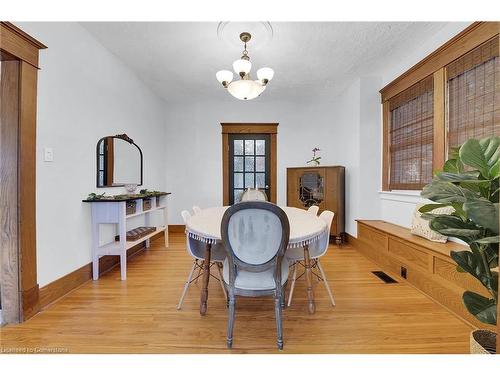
{"points": [[139, 315]]}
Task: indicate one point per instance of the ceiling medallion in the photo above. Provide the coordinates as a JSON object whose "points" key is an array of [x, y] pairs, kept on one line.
{"points": [[245, 88]]}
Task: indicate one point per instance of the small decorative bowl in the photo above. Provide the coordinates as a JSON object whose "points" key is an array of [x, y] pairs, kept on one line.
{"points": [[131, 188]]}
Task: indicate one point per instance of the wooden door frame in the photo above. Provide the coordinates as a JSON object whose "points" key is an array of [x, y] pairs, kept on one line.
{"points": [[248, 128], [18, 263]]}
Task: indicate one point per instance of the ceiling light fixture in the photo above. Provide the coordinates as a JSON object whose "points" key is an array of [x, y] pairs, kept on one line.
{"points": [[245, 88]]}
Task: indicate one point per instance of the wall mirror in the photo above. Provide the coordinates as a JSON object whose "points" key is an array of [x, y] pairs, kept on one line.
{"points": [[119, 161]]}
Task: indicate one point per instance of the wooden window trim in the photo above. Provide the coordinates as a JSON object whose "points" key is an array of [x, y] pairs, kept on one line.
{"points": [[433, 65], [248, 128], [17, 45]]}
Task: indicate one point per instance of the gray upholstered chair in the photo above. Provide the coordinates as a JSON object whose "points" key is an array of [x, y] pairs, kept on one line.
{"points": [[313, 210], [316, 250], [253, 195], [196, 249], [255, 235]]}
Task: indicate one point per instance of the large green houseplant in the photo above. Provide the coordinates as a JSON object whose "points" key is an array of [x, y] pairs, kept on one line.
{"points": [[469, 183]]}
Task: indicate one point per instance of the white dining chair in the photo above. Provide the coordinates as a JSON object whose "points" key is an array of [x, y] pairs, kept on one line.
{"points": [[313, 210], [255, 235], [316, 251], [253, 195], [196, 210], [196, 249]]}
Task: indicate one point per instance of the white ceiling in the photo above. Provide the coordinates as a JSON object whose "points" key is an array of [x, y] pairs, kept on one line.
{"points": [[178, 60]]}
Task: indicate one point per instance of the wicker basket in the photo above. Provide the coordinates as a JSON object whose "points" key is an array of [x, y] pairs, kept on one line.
{"points": [[130, 207], [146, 204], [483, 341]]}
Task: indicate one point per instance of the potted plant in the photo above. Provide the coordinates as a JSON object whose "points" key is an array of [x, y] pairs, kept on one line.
{"points": [[315, 161], [469, 183]]}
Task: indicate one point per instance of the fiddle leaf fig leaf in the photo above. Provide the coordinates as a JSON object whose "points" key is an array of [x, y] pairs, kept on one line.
{"points": [[480, 154], [446, 192], [431, 207], [454, 227], [484, 309], [483, 213]]}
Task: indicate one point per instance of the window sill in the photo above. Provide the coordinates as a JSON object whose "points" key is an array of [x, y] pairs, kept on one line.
{"points": [[406, 196]]}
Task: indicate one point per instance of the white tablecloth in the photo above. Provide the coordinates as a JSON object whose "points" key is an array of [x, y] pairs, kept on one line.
{"points": [[304, 227]]}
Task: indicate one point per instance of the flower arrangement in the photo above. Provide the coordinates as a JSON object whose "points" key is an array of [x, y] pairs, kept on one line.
{"points": [[315, 161]]}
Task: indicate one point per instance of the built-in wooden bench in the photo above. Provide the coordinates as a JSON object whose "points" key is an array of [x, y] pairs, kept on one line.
{"points": [[428, 265]]}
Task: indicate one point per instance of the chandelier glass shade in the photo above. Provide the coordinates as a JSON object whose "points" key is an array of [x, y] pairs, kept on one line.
{"points": [[245, 88]]}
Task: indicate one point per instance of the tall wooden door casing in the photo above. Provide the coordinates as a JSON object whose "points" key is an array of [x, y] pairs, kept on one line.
{"points": [[18, 171], [321, 186]]}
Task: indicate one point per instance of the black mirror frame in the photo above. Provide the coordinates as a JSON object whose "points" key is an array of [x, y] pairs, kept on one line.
{"points": [[123, 137]]}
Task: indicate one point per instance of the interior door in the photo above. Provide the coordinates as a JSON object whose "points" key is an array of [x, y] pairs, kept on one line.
{"points": [[249, 162]]}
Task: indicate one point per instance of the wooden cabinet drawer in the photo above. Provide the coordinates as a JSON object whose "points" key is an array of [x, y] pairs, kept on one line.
{"points": [[448, 271], [409, 254], [373, 239]]}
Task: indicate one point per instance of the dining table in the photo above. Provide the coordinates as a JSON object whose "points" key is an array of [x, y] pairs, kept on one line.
{"points": [[305, 229]]}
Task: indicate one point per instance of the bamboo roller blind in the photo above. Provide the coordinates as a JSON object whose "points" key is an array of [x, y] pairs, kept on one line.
{"points": [[473, 95], [411, 136]]}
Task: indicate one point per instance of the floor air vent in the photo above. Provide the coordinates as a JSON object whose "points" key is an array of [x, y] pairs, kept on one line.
{"points": [[384, 277]]}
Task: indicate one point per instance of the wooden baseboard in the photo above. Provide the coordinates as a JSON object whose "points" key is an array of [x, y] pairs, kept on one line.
{"points": [[62, 286], [351, 240], [31, 302], [176, 228]]}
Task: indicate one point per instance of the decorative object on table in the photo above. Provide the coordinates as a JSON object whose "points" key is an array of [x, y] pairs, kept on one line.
{"points": [[251, 194], [323, 187], [95, 196], [297, 256], [118, 162], [146, 204], [469, 183], [245, 88], [420, 227], [137, 233], [315, 161], [131, 188], [196, 249], [255, 265], [130, 207]]}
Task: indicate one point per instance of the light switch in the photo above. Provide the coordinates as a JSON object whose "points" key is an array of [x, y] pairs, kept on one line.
{"points": [[48, 154]]}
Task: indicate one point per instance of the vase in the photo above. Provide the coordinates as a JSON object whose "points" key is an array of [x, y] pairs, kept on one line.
{"points": [[483, 341], [313, 163]]}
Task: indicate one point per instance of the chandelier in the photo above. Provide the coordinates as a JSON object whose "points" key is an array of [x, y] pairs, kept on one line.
{"points": [[245, 88]]}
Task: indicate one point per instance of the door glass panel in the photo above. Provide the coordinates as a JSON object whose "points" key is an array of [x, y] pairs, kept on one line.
{"points": [[238, 146], [238, 163], [249, 146], [311, 189], [260, 163], [238, 180], [249, 180], [260, 180], [237, 195], [260, 146], [249, 164]]}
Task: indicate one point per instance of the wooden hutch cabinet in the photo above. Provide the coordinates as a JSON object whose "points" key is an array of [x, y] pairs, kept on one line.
{"points": [[320, 186]]}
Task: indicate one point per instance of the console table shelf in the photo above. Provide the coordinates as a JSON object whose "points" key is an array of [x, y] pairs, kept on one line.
{"points": [[110, 211]]}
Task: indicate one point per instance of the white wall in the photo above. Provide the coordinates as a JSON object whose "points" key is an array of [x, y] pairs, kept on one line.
{"points": [[84, 93]]}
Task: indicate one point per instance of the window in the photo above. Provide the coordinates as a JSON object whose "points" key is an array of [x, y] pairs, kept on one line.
{"points": [[473, 93], [452, 95], [411, 136]]}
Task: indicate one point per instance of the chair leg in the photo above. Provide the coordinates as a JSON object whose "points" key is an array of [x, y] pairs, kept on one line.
{"points": [[186, 286], [221, 281], [278, 312], [199, 271], [294, 278], [283, 298], [326, 283], [230, 321]]}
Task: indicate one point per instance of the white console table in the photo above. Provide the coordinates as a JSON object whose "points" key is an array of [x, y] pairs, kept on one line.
{"points": [[111, 211]]}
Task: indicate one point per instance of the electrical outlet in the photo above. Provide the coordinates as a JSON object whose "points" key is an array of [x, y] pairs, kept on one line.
{"points": [[48, 154], [404, 272]]}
